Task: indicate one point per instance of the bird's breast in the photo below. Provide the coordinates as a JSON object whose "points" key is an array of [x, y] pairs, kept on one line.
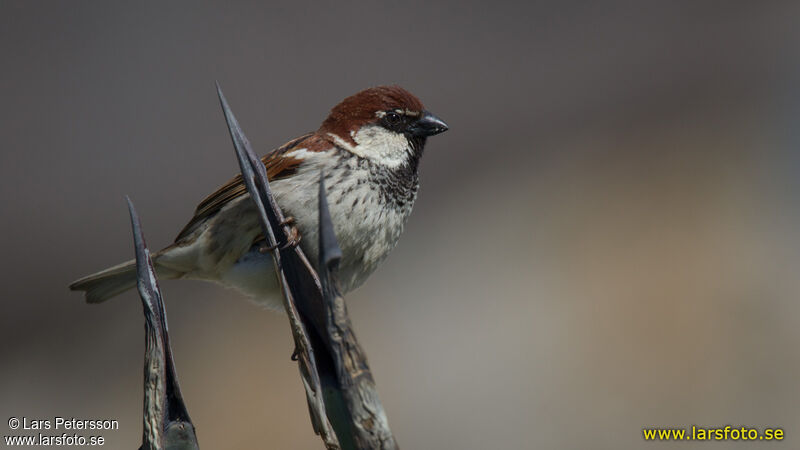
{"points": [[367, 222]]}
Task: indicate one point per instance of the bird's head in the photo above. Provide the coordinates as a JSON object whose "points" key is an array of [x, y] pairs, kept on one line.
{"points": [[386, 124]]}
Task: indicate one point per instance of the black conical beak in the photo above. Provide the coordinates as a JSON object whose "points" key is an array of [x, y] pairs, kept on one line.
{"points": [[427, 125]]}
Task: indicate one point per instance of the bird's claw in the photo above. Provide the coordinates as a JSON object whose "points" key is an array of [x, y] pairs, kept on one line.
{"points": [[267, 248], [293, 240]]}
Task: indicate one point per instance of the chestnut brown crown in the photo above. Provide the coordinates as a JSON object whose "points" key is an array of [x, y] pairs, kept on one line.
{"points": [[389, 106]]}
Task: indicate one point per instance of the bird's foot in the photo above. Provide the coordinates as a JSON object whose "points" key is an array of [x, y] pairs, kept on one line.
{"points": [[293, 240]]}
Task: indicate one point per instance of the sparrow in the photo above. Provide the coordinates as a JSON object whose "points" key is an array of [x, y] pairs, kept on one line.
{"points": [[369, 148]]}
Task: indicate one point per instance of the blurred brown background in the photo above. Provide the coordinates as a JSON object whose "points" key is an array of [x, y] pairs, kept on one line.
{"points": [[606, 239]]}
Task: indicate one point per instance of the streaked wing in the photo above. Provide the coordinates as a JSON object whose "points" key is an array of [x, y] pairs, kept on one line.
{"points": [[278, 166]]}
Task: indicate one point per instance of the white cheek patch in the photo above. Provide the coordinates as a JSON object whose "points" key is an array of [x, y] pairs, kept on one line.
{"points": [[381, 146]]}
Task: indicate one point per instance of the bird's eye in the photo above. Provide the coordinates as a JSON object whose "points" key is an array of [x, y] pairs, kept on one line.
{"points": [[392, 118]]}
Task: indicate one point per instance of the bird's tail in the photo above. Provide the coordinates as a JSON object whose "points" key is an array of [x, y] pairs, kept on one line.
{"points": [[113, 281]]}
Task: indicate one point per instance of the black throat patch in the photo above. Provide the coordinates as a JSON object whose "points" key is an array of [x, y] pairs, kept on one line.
{"points": [[397, 186]]}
